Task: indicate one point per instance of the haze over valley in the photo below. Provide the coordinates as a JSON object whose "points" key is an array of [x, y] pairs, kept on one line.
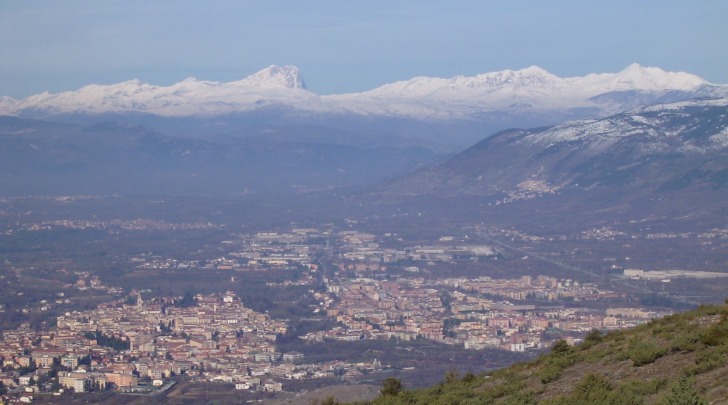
{"points": [[246, 237]]}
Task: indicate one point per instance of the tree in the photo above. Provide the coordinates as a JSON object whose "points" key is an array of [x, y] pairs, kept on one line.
{"points": [[391, 387], [188, 300], [85, 360], [55, 384], [130, 300]]}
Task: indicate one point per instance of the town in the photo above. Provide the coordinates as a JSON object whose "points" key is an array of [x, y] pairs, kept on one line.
{"points": [[370, 287]]}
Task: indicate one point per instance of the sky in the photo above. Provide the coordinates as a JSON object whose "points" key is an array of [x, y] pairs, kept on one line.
{"points": [[343, 46]]}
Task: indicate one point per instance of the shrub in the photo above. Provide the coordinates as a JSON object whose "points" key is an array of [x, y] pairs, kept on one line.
{"points": [[550, 373], [592, 388], [524, 397], [391, 387], [592, 339], [330, 400], [643, 387], [642, 353], [469, 378], [717, 334], [452, 376], [683, 393], [707, 360], [687, 342], [595, 389], [561, 347]]}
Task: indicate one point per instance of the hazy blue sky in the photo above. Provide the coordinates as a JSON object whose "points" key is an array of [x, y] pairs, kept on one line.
{"points": [[344, 46]]}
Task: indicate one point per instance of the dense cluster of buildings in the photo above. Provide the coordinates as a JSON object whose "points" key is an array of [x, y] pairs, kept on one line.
{"points": [[474, 313], [141, 346], [257, 252]]}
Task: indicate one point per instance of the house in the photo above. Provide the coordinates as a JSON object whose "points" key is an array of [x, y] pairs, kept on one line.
{"points": [[24, 361], [69, 361], [292, 357], [75, 380], [8, 378], [45, 361], [123, 380], [518, 347], [272, 386]]}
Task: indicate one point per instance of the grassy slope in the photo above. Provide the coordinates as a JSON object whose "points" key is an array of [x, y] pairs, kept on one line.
{"points": [[683, 354]]}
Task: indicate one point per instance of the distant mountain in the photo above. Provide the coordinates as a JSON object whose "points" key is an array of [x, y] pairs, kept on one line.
{"points": [[665, 159], [486, 102], [679, 359], [111, 157], [531, 90], [190, 97]]}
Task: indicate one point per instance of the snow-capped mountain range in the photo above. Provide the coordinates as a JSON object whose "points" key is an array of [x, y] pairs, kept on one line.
{"points": [[530, 90]]}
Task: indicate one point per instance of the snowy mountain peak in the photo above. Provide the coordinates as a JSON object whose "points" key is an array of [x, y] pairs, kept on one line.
{"points": [[534, 71], [132, 82], [636, 67], [275, 76], [532, 76], [639, 77]]}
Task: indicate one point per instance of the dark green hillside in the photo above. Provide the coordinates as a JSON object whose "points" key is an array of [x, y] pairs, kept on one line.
{"points": [[680, 359]]}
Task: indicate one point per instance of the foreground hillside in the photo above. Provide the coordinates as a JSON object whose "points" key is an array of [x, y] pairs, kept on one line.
{"points": [[680, 359]]}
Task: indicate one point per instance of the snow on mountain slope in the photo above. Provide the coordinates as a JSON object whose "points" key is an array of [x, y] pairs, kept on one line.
{"points": [[659, 128], [675, 153], [531, 89], [7, 104], [636, 77], [271, 86], [516, 92], [274, 76]]}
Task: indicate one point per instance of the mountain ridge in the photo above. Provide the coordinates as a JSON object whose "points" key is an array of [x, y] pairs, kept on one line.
{"points": [[40, 157], [532, 90], [663, 161]]}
